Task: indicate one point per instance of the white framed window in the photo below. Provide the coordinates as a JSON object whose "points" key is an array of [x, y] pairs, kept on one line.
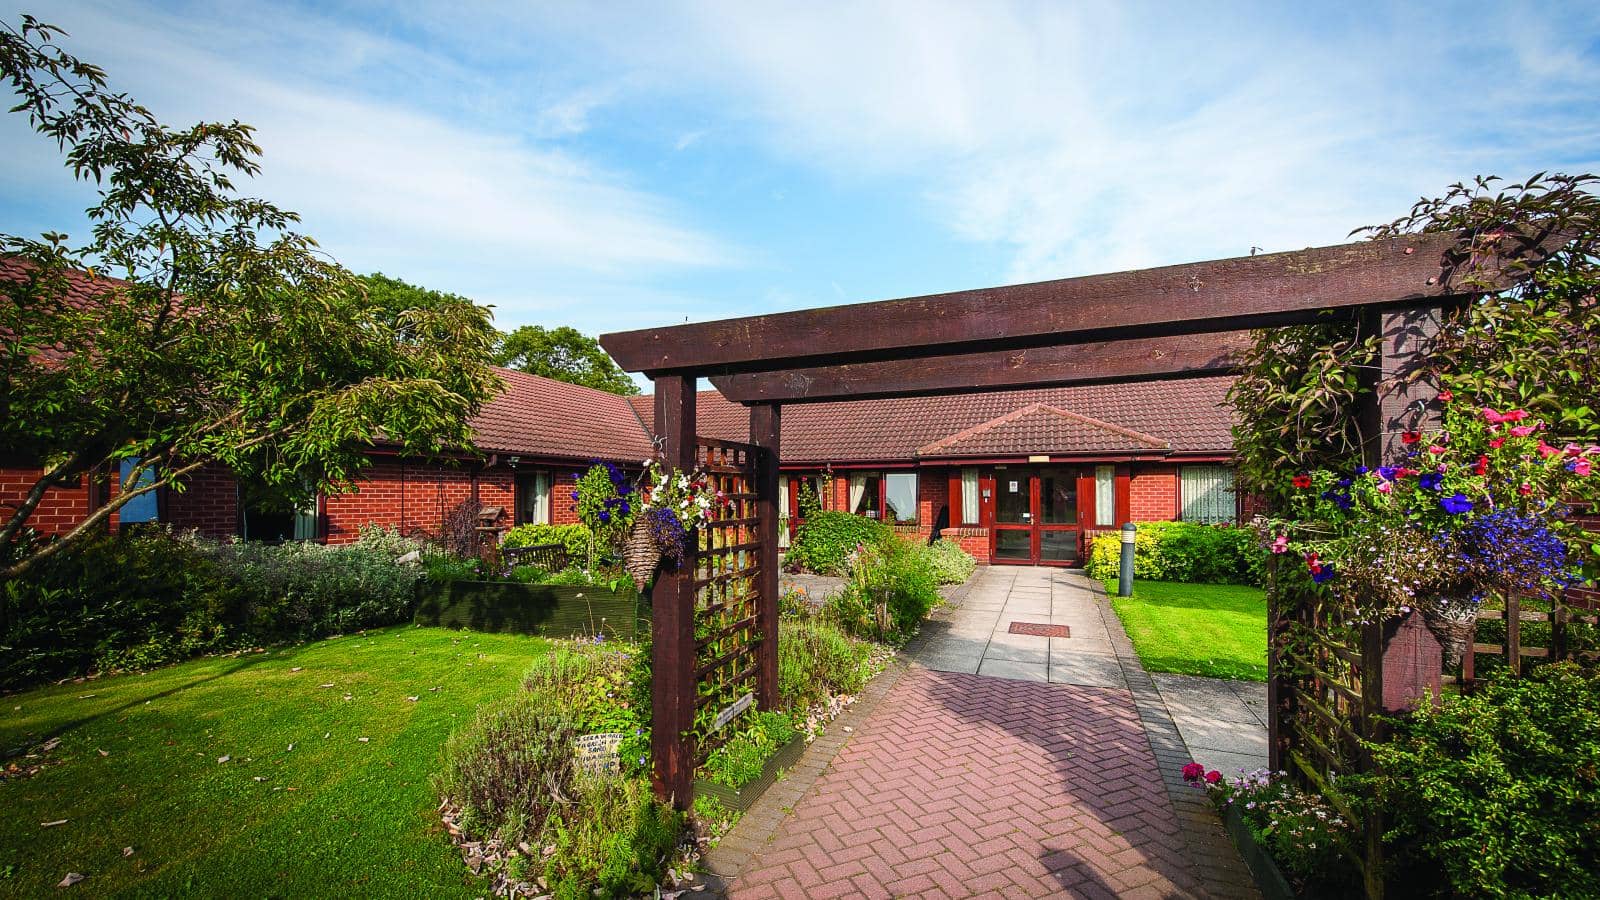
{"points": [[1207, 494], [1105, 496]]}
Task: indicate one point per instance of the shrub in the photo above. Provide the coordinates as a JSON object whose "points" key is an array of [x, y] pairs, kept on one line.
{"points": [[951, 564], [739, 761], [507, 768], [1497, 791], [442, 568], [296, 591], [512, 774], [387, 541], [827, 539], [116, 601], [891, 590], [1182, 551], [1303, 833], [575, 538], [815, 660], [148, 597]]}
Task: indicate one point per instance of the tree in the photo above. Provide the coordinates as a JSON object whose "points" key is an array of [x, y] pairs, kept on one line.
{"points": [[394, 297], [225, 337], [564, 354]]}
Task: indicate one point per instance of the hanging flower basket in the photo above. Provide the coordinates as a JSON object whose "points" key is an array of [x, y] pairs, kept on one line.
{"points": [[1454, 621], [640, 554]]}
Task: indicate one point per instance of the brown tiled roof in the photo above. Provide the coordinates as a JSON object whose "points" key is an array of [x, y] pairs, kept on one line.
{"points": [[1186, 414], [1037, 428], [543, 417]]}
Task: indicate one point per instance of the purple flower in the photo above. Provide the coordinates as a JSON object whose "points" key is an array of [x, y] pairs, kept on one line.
{"points": [[623, 507], [1387, 473], [1456, 504], [1430, 481], [605, 515], [1362, 470], [574, 495], [1323, 574]]}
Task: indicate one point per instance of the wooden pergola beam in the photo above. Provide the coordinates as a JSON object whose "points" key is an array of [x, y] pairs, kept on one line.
{"points": [[1227, 294], [1093, 361]]}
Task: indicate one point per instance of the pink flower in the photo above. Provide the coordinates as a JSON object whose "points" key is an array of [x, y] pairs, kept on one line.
{"points": [[1193, 772], [1386, 487], [1582, 466], [1525, 489], [1523, 430], [1437, 449], [1546, 451], [1445, 396], [1213, 777], [1497, 418], [1281, 544], [1497, 443]]}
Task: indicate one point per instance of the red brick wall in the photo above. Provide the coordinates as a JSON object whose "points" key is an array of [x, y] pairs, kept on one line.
{"points": [[410, 496], [1153, 493], [60, 510], [209, 503]]}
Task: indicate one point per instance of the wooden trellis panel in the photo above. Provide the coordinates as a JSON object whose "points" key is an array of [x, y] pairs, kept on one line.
{"points": [[727, 593]]}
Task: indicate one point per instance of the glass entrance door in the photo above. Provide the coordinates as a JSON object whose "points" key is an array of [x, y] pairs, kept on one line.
{"points": [[1036, 516]]}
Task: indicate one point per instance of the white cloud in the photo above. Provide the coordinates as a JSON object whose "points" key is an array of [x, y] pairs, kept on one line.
{"points": [[388, 182]]}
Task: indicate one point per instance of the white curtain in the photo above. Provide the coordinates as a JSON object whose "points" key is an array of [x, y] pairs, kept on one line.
{"points": [[540, 510], [1208, 496], [858, 490], [969, 497], [305, 521], [1105, 495], [783, 512]]}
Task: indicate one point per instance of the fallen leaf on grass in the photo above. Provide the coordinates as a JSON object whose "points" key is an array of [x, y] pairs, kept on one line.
{"points": [[411, 699], [49, 745], [52, 824], [363, 740], [86, 697], [297, 668], [329, 684], [223, 759], [71, 879], [101, 752], [291, 749], [127, 851], [258, 778]]}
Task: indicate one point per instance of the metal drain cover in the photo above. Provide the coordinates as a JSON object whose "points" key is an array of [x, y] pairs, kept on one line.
{"points": [[1040, 630]]}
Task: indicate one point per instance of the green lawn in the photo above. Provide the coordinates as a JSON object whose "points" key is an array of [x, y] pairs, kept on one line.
{"points": [[333, 816], [1217, 630]]}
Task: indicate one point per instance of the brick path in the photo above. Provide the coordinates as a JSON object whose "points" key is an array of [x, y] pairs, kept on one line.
{"points": [[954, 784], [961, 785]]}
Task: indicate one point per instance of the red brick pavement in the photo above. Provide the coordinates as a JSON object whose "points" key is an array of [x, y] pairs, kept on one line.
{"points": [[965, 786]]}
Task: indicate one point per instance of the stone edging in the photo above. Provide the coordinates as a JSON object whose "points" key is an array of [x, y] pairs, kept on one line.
{"points": [[1212, 855]]}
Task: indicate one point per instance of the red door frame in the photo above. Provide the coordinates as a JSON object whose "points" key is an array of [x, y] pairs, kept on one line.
{"points": [[1034, 527]]}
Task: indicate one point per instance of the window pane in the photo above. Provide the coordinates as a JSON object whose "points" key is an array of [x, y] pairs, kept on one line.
{"points": [[1105, 495], [969, 497], [143, 507], [1012, 504], [864, 494], [900, 495], [1058, 497], [1208, 496]]}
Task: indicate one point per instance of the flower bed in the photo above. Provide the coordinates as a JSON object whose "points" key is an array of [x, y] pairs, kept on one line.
{"points": [[549, 610]]}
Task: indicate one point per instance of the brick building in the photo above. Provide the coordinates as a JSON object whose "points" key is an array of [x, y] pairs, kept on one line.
{"points": [[1014, 476]]}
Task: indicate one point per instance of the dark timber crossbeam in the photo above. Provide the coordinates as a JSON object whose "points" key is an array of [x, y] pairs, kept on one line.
{"points": [[1094, 361], [1227, 294]]}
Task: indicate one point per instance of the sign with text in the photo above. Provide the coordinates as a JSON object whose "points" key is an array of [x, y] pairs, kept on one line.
{"points": [[598, 752], [732, 710]]}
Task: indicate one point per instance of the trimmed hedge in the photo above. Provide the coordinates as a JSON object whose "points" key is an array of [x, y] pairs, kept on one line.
{"points": [[1184, 552], [952, 564], [827, 539], [575, 538]]}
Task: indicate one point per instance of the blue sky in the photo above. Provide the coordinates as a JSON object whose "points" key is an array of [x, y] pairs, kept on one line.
{"points": [[614, 166]]}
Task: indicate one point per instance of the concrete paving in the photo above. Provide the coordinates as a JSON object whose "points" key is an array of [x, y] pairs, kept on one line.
{"points": [[1223, 723], [975, 638]]}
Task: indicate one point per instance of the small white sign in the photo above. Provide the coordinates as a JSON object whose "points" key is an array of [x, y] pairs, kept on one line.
{"points": [[598, 752], [1013, 487], [732, 710]]}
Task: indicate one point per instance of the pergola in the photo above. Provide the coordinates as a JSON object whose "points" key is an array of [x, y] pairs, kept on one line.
{"points": [[1171, 322]]}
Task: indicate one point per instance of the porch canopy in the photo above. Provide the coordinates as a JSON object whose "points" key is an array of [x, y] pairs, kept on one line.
{"points": [[1170, 322]]}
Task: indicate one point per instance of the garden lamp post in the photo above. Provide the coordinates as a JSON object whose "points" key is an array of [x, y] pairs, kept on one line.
{"points": [[1125, 571]]}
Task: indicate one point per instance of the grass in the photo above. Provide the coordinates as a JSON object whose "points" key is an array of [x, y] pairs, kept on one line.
{"points": [[333, 816], [1215, 630]]}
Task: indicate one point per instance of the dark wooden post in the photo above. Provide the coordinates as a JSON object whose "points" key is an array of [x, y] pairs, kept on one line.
{"points": [[764, 431], [672, 612], [1513, 641]]}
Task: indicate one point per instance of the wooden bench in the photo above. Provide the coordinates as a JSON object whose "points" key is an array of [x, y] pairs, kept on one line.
{"points": [[549, 557]]}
